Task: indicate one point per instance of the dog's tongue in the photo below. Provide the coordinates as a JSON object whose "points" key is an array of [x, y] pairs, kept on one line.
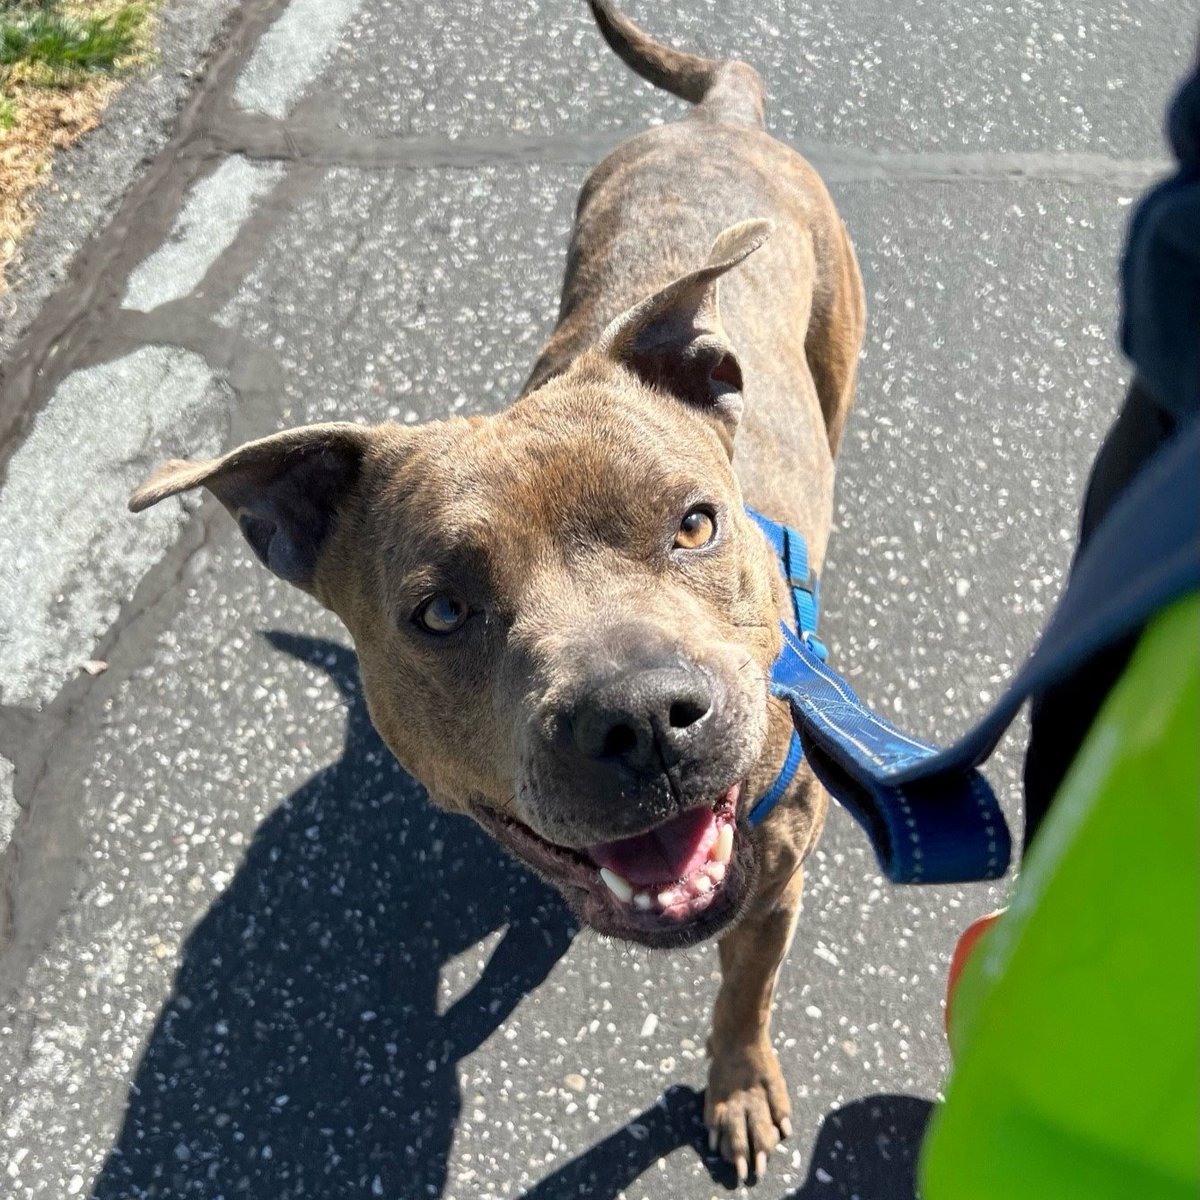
{"points": [[672, 851]]}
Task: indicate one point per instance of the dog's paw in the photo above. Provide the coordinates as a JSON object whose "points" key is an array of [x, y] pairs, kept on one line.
{"points": [[746, 1107]]}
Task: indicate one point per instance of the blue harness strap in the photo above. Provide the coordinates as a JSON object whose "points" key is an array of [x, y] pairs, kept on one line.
{"points": [[792, 551], [944, 829]]}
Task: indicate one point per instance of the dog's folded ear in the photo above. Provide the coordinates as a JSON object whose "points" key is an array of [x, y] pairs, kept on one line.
{"points": [[674, 340], [284, 491]]}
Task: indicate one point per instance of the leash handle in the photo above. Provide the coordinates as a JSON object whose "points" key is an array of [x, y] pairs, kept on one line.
{"points": [[930, 815], [946, 828], [943, 827]]}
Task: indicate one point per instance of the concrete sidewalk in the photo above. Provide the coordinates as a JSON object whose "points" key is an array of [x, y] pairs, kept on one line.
{"points": [[240, 953]]}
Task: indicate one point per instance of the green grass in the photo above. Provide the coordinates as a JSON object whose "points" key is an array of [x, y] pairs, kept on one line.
{"points": [[8, 113], [56, 45]]}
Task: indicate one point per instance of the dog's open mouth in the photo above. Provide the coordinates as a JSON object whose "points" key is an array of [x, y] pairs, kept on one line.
{"points": [[674, 884], [675, 869]]}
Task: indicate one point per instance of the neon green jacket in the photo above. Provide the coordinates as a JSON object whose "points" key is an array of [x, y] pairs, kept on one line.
{"points": [[1075, 1021]]}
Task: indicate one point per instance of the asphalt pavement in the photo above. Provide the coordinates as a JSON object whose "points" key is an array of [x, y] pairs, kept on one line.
{"points": [[241, 955]]}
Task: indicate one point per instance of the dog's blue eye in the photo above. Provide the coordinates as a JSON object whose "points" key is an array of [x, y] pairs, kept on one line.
{"points": [[441, 614]]}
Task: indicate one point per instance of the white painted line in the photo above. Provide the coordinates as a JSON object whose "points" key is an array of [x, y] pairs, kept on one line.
{"points": [[8, 804], [211, 218], [291, 53], [72, 553]]}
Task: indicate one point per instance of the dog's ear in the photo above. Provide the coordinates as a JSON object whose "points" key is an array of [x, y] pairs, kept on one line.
{"points": [[284, 491], [674, 340]]}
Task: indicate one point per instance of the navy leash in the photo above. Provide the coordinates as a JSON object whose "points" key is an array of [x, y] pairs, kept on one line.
{"points": [[949, 831], [931, 816]]}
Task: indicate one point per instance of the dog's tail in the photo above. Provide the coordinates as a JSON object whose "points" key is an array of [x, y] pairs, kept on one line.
{"points": [[722, 89]]}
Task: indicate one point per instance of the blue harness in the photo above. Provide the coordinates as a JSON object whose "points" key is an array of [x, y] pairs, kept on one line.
{"points": [[948, 829], [792, 551]]}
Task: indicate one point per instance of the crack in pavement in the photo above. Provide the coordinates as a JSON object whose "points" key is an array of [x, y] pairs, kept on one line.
{"points": [[31, 900], [72, 551], [79, 310], [248, 369], [211, 127], [78, 325], [264, 138]]}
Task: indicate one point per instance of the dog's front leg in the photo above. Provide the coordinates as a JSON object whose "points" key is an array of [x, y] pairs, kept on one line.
{"points": [[746, 1106]]}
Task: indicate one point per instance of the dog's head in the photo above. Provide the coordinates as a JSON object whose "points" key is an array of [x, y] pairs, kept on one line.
{"points": [[564, 618]]}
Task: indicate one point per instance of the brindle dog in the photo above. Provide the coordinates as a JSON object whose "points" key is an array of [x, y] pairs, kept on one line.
{"points": [[564, 617]]}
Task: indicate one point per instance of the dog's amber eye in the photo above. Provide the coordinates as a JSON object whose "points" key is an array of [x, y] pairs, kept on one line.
{"points": [[696, 529], [441, 614]]}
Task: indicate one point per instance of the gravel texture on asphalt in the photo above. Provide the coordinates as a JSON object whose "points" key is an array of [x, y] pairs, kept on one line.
{"points": [[243, 955]]}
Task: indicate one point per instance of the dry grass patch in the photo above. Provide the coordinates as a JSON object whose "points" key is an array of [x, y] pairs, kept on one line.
{"points": [[60, 63]]}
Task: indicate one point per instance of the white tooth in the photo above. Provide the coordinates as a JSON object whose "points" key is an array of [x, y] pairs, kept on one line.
{"points": [[715, 871], [617, 884], [643, 901], [722, 850], [665, 899], [701, 884]]}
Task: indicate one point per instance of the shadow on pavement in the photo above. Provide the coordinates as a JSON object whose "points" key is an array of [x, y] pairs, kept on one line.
{"points": [[302, 1052], [866, 1149]]}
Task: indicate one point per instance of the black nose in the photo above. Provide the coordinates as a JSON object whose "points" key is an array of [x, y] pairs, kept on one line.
{"points": [[643, 719]]}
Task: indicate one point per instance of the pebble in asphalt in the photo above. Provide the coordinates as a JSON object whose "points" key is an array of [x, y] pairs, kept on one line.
{"points": [[262, 964]]}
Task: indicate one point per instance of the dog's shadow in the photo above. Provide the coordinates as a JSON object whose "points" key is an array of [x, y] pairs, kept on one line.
{"points": [[302, 1051], [867, 1149]]}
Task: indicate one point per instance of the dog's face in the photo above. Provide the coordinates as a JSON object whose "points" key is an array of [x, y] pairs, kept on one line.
{"points": [[564, 618]]}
